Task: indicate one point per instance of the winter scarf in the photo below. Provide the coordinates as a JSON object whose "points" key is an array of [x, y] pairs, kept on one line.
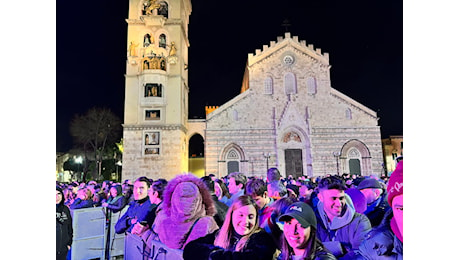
{"points": [[186, 200], [341, 221]]}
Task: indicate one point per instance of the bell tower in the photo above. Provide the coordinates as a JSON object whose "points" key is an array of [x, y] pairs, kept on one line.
{"points": [[156, 89]]}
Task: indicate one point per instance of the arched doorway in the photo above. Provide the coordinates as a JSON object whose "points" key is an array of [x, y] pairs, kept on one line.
{"points": [[196, 164], [356, 158], [232, 159]]}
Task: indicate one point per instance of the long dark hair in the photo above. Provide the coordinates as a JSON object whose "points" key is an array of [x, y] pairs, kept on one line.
{"points": [[313, 245]]}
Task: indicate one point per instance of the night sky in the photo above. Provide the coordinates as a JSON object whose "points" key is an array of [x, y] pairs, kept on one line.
{"points": [[364, 40]]}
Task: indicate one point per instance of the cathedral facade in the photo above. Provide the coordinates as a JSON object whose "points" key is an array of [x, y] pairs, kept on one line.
{"points": [[287, 114]]}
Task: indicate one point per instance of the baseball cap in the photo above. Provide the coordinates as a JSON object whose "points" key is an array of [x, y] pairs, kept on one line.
{"points": [[302, 212], [369, 183]]}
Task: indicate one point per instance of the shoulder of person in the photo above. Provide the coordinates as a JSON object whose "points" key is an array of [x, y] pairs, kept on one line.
{"points": [[325, 256], [261, 237]]}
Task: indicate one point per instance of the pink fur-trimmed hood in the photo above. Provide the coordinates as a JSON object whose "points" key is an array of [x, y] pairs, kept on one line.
{"points": [[185, 200], [187, 181]]}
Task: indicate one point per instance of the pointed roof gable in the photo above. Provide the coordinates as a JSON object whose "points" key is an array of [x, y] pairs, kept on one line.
{"points": [[281, 42]]}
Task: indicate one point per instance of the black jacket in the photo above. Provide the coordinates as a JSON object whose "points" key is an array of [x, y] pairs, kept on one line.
{"points": [[377, 210], [260, 247], [221, 211], [381, 242], [320, 254], [64, 231], [117, 204]]}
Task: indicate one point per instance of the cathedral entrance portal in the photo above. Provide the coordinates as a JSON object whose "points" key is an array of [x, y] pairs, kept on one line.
{"points": [[355, 166], [293, 160], [233, 166]]}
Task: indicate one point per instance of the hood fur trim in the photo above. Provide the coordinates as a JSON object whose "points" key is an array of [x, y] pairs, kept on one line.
{"points": [[188, 177]]}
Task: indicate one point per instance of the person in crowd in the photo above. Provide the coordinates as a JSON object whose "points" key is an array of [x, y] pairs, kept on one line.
{"points": [[300, 239], [257, 189], [276, 190], [186, 213], [221, 191], [139, 210], [272, 225], [340, 227], [155, 194], [358, 198], [239, 238], [220, 206], [293, 190], [306, 192], [236, 183], [105, 187], [69, 196], [273, 175], [95, 195], [376, 200], [386, 240], [116, 201], [127, 189], [84, 199], [64, 231]]}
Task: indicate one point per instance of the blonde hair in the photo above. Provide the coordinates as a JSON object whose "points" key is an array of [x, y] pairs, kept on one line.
{"points": [[226, 231]]}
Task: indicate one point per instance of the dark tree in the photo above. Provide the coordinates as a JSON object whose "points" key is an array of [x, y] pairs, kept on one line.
{"points": [[96, 133]]}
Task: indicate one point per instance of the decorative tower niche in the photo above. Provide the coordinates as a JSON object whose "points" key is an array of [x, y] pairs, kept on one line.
{"points": [[156, 89]]}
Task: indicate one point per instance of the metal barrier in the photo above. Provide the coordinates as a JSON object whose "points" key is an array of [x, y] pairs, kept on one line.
{"points": [[137, 249], [91, 234]]}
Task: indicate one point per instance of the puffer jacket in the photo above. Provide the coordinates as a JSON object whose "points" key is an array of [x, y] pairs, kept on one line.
{"points": [[186, 212], [381, 243], [344, 234]]}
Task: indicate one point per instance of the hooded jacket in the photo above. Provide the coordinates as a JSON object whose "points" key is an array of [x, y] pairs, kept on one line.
{"points": [[381, 242], [118, 203], [64, 231], [344, 234], [186, 212]]}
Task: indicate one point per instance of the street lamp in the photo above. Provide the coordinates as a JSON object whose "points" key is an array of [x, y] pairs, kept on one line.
{"points": [[337, 155], [267, 156], [79, 160], [118, 164]]}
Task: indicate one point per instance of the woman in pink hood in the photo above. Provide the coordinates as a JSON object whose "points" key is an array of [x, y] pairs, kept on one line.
{"points": [[186, 213]]}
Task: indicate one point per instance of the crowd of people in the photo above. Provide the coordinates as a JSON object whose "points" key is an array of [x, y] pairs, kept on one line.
{"points": [[236, 217]]}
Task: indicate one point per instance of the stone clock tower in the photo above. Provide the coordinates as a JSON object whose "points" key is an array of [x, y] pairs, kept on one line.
{"points": [[156, 89]]}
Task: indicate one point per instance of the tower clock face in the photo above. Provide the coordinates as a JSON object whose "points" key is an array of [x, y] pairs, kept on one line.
{"points": [[288, 60]]}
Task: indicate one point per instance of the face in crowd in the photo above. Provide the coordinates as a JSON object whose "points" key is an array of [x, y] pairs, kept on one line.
{"points": [[261, 201], [371, 194], [140, 190], [113, 192], [58, 197], [244, 219], [232, 187], [333, 202], [397, 207], [296, 235]]}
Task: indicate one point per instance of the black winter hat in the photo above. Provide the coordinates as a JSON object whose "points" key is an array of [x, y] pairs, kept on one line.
{"points": [[369, 183]]}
